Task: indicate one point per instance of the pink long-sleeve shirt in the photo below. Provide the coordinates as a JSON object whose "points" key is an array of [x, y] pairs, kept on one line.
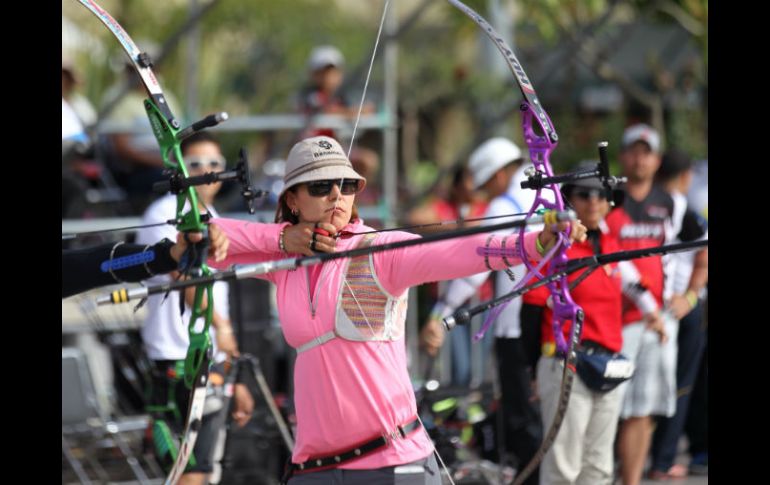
{"points": [[349, 392]]}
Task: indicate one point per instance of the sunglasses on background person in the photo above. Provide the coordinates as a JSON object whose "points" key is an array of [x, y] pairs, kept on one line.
{"points": [[587, 194], [212, 164], [321, 188]]}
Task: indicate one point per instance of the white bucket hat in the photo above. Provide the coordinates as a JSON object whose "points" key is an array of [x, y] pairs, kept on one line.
{"points": [[318, 158]]}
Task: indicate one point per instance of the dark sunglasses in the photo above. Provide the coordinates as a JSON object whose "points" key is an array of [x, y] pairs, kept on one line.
{"points": [[321, 188], [587, 194]]}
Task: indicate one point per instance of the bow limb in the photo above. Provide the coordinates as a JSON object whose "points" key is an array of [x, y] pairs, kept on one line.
{"points": [[166, 129], [565, 309]]}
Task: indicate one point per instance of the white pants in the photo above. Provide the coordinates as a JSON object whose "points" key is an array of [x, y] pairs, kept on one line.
{"points": [[582, 453]]}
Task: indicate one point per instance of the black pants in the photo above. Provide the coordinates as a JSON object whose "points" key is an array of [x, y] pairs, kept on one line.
{"points": [[421, 472], [697, 419], [523, 425], [691, 341], [163, 387]]}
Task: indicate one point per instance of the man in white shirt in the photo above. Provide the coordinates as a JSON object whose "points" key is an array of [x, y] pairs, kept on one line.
{"points": [[165, 332]]}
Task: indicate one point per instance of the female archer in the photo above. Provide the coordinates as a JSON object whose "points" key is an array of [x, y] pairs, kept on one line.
{"points": [[356, 413]]}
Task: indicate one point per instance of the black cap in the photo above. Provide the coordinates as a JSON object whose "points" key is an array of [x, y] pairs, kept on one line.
{"points": [[586, 183]]}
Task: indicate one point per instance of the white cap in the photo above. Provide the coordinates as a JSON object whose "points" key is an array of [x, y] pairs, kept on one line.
{"points": [[491, 156], [642, 132], [325, 55]]}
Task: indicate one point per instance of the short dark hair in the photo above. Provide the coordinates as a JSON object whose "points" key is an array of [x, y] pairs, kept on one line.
{"points": [[673, 163], [198, 137]]}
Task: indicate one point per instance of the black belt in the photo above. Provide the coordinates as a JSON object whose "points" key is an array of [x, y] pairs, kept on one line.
{"points": [[357, 452], [591, 347]]}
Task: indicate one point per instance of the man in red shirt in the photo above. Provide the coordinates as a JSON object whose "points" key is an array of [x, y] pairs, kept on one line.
{"points": [[645, 220]]}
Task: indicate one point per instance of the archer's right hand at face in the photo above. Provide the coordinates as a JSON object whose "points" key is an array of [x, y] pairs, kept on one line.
{"points": [[303, 238]]}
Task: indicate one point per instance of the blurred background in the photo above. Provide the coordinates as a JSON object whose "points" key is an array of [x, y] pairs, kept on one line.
{"points": [[438, 89]]}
